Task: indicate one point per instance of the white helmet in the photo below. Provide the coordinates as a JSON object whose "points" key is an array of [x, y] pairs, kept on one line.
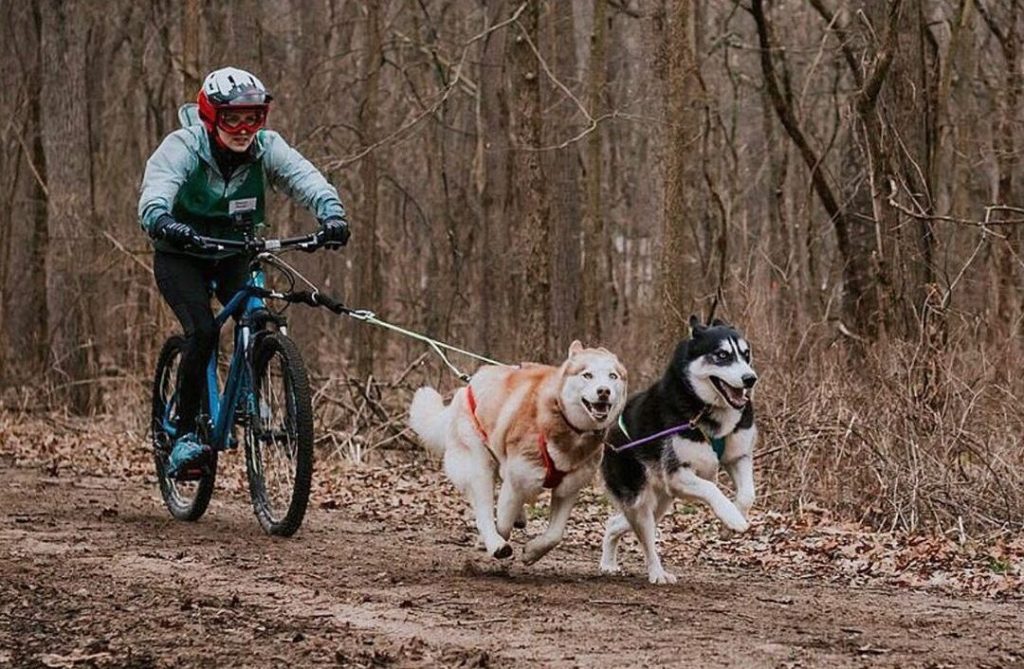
{"points": [[230, 87]]}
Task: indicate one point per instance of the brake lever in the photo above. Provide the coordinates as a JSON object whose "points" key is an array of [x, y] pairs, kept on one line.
{"points": [[202, 245], [330, 246]]}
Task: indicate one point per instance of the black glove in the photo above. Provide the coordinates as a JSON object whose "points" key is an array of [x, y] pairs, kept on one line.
{"points": [[173, 232], [334, 231]]}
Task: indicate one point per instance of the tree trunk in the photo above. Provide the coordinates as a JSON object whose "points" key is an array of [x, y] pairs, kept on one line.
{"points": [[65, 134], [562, 168], [901, 144], [370, 288], [23, 274], [191, 77], [678, 262], [1008, 252], [493, 167], [596, 277], [530, 266]]}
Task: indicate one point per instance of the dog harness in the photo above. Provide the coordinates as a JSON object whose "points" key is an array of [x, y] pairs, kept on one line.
{"points": [[717, 443], [552, 474]]}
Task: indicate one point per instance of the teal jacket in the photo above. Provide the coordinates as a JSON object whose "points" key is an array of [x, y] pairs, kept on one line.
{"points": [[183, 179]]}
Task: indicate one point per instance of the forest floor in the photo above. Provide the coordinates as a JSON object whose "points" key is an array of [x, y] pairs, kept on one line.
{"points": [[385, 573]]}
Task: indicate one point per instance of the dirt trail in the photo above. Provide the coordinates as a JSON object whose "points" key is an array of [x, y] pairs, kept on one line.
{"points": [[94, 573]]}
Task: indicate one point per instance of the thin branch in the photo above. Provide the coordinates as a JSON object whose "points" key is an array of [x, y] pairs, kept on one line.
{"points": [[32, 167], [985, 223], [869, 92], [552, 77], [121, 247], [789, 122], [456, 79], [992, 23], [844, 40]]}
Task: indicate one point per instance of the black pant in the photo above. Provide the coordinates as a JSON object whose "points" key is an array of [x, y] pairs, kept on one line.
{"points": [[184, 281]]}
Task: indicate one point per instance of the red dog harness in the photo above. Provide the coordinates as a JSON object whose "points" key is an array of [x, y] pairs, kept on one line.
{"points": [[552, 474]]}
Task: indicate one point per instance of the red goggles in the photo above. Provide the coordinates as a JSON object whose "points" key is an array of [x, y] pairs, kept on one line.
{"points": [[243, 120]]}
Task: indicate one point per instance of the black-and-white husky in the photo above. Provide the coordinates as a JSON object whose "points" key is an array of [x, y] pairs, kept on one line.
{"points": [[707, 384]]}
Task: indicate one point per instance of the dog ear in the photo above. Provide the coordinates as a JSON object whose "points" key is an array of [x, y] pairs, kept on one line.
{"points": [[575, 347], [719, 321], [695, 325]]}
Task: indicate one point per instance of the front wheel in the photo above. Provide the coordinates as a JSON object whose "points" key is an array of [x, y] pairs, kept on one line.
{"points": [[186, 500], [279, 436]]}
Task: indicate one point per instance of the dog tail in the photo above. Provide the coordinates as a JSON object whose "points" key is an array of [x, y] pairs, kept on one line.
{"points": [[429, 418]]}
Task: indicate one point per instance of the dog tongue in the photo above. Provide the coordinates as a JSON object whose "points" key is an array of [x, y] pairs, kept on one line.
{"points": [[736, 395]]}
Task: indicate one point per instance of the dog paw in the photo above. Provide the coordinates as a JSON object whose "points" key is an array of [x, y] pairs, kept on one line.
{"points": [[610, 568], [738, 525], [520, 522], [661, 577], [733, 520], [502, 552], [533, 552]]}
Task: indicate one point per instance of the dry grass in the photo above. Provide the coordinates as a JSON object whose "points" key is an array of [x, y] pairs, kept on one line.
{"points": [[900, 440]]}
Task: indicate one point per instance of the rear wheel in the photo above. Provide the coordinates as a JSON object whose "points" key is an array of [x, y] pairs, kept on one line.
{"points": [[279, 436], [186, 500]]}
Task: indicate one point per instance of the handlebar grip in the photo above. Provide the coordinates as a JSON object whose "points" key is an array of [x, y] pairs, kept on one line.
{"points": [[317, 299], [333, 305], [301, 297]]}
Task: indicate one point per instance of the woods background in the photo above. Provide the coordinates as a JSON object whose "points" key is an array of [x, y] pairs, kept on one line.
{"points": [[839, 179]]}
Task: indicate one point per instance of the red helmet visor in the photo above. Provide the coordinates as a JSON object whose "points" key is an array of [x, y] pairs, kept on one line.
{"points": [[236, 121]]}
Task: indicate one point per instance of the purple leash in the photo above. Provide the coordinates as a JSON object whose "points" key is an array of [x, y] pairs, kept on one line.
{"points": [[658, 435]]}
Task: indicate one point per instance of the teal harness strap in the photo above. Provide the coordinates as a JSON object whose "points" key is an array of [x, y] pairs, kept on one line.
{"points": [[718, 443]]}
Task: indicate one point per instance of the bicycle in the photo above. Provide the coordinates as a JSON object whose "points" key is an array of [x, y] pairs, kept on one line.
{"points": [[266, 394]]}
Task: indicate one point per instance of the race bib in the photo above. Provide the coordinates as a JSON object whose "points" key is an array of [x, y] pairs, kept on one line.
{"points": [[241, 206]]}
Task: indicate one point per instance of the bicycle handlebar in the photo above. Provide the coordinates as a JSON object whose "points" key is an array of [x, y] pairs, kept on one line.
{"points": [[309, 242]]}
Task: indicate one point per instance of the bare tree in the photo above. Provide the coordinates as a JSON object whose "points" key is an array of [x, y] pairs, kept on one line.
{"points": [[596, 279], [491, 180], [678, 257], [1008, 253], [562, 171], [858, 235], [530, 265], [65, 133], [370, 288], [191, 77]]}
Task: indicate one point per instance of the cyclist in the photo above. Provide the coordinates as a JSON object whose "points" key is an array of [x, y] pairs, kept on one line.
{"points": [[208, 178]]}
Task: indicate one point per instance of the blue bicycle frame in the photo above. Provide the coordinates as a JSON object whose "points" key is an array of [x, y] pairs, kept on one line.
{"points": [[239, 380]]}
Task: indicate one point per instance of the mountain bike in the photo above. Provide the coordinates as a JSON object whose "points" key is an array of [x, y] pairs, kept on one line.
{"points": [[265, 396]]}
